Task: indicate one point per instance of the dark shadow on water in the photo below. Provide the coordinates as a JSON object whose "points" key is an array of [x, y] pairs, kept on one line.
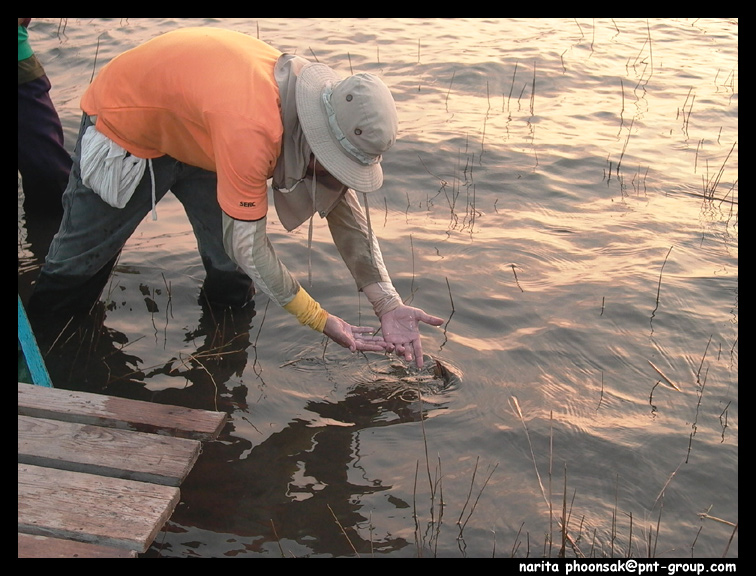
{"points": [[293, 487], [83, 353], [297, 486], [40, 230]]}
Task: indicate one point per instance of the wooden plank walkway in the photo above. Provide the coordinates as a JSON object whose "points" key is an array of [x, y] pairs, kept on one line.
{"points": [[98, 476]]}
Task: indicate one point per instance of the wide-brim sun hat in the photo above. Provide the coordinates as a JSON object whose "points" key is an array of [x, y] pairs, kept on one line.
{"points": [[349, 123]]}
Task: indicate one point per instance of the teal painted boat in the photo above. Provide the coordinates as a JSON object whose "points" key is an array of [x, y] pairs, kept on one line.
{"points": [[31, 365]]}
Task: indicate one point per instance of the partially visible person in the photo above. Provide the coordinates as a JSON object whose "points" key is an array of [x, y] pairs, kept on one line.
{"points": [[212, 115], [43, 162]]}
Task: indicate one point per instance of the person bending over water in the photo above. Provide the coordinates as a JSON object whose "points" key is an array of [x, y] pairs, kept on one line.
{"points": [[211, 115]]}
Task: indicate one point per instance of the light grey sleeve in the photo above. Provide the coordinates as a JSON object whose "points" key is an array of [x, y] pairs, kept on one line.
{"points": [[357, 245], [361, 253], [248, 246]]}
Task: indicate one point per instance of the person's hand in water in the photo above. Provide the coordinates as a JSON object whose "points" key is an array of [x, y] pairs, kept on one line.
{"points": [[401, 332], [355, 338]]}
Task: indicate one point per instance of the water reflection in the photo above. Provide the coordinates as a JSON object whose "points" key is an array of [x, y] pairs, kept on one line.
{"points": [[305, 483], [295, 486], [40, 229], [84, 353], [302, 484]]}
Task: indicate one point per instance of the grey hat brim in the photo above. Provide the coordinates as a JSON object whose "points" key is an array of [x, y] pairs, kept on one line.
{"points": [[314, 121]]}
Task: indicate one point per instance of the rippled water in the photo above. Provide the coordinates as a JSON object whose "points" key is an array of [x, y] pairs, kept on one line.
{"points": [[564, 193]]}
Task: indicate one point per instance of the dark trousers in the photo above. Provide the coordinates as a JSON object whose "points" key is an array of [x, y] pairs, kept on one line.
{"points": [[43, 161]]}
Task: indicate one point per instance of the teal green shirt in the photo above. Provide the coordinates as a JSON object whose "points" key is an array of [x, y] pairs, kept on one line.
{"points": [[24, 48]]}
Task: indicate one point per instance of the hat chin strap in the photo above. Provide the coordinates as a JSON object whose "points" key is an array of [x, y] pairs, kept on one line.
{"points": [[312, 217], [349, 148]]}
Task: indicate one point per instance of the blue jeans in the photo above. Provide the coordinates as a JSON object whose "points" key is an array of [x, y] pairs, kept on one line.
{"points": [[93, 233]]}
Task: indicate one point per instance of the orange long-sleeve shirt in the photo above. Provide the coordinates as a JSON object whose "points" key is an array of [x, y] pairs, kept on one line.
{"points": [[204, 96]]}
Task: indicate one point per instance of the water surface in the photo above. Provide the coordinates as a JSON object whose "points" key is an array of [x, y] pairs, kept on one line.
{"points": [[564, 193]]}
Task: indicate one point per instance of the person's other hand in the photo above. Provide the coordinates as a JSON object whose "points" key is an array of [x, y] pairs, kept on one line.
{"points": [[402, 334], [353, 337]]}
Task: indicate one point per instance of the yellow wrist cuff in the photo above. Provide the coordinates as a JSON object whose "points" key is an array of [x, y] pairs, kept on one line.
{"points": [[307, 310]]}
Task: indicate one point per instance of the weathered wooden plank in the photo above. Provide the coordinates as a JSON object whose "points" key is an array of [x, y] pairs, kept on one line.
{"points": [[105, 451], [95, 509], [122, 413], [33, 546]]}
